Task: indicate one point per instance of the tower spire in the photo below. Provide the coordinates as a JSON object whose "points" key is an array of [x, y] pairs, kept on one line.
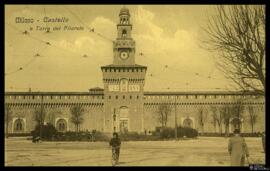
{"points": [[124, 46]]}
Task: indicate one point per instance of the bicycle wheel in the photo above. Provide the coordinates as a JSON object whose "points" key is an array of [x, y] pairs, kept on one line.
{"points": [[114, 157]]}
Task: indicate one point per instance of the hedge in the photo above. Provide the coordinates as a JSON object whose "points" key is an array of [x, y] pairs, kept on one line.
{"points": [[216, 134], [168, 133], [134, 136]]}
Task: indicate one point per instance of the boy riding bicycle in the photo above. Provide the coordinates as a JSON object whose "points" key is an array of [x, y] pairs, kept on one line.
{"points": [[115, 143]]}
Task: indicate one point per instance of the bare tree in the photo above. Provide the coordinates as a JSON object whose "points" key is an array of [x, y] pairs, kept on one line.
{"points": [[236, 111], [51, 117], [214, 115], [8, 116], [237, 34], [202, 117], [77, 119], [164, 111], [226, 114], [218, 117], [39, 116], [252, 118]]}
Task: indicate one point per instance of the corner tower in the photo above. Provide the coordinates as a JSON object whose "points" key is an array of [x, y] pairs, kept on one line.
{"points": [[123, 83]]}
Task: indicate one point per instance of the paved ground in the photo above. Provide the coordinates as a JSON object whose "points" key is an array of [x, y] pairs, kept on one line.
{"points": [[204, 151]]}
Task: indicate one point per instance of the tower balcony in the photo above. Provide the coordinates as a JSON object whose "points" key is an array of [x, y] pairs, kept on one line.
{"points": [[129, 43]]}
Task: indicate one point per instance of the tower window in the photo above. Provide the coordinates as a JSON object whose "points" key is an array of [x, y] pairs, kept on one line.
{"points": [[124, 21], [109, 97], [137, 97], [124, 97], [116, 97], [124, 33], [130, 97]]}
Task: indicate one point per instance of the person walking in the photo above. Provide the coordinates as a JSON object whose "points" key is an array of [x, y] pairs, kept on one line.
{"points": [[263, 141], [115, 142], [238, 149]]}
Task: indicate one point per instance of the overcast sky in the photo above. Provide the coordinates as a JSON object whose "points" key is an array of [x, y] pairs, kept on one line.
{"points": [[167, 35]]}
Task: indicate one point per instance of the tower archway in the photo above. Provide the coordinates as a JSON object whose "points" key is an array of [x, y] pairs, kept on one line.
{"points": [[124, 119]]}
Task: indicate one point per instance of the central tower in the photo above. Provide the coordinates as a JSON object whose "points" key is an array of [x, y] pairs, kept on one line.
{"points": [[123, 83], [124, 46]]}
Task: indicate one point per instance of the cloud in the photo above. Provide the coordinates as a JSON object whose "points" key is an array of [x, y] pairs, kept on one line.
{"points": [[104, 26], [153, 40], [64, 64], [152, 37]]}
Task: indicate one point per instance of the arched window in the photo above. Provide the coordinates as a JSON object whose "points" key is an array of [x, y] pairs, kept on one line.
{"points": [[18, 125], [188, 123], [61, 125], [123, 85], [124, 33]]}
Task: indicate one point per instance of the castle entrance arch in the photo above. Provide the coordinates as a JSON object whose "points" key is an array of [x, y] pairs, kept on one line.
{"points": [[124, 119]]}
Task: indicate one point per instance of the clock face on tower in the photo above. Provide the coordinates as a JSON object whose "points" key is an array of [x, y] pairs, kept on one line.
{"points": [[124, 55]]}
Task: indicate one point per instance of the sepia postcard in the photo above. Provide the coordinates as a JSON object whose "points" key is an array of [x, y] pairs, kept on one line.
{"points": [[135, 85]]}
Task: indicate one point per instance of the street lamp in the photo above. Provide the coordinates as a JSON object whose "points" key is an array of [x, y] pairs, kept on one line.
{"points": [[175, 114], [114, 119], [41, 115]]}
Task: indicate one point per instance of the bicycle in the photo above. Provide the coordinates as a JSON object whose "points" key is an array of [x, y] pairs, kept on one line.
{"points": [[115, 156]]}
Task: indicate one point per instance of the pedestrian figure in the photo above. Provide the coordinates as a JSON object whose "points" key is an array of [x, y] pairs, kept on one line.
{"points": [[238, 149], [263, 141], [93, 135], [115, 143]]}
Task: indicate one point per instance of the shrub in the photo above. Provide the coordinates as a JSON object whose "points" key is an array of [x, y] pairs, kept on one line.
{"points": [[134, 136], [99, 136], [47, 131], [80, 136], [19, 134], [216, 134], [168, 133]]}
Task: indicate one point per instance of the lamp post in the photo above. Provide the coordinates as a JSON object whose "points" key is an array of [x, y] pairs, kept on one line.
{"points": [[175, 114], [114, 120], [41, 117]]}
